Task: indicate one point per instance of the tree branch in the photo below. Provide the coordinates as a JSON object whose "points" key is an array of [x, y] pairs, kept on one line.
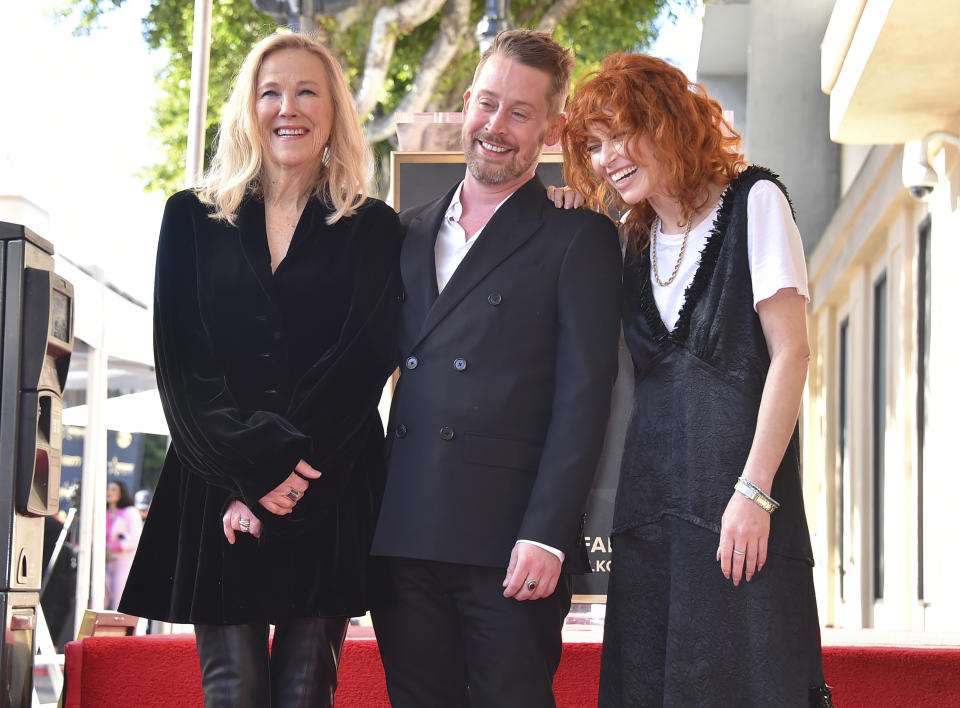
{"points": [[556, 13], [390, 22], [448, 43], [348, 17]]}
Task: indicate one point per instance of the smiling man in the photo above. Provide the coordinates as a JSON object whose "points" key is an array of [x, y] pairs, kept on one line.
{"points": [[508, 335]]}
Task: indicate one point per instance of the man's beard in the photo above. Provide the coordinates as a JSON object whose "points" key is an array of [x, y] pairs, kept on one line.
{"points": [[518, 165]]}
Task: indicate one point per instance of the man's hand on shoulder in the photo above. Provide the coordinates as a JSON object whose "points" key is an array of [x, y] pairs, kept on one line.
{"points": [[531, 563]]}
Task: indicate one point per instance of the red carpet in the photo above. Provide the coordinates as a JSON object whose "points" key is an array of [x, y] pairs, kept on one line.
{"points": [[162, 671]]}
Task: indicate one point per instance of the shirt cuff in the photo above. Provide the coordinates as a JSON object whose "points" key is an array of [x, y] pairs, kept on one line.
{"points": [[555, 551]]}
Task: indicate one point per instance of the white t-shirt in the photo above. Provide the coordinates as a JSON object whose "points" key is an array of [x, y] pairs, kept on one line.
{"points": [[774, 250]]}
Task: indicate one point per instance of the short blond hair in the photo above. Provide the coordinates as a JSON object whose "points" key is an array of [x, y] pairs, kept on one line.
{"points": [[237, 166]]}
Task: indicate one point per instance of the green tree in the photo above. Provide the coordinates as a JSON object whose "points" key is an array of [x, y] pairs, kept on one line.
{"points": [[408, 55]]}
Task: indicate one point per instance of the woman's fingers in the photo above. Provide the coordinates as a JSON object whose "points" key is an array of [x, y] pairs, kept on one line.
{"points": [[303, 469], [751, 557], [564, 197], [255, 526], [239, 519], [724, 552], [281, 499], [228, 528]]}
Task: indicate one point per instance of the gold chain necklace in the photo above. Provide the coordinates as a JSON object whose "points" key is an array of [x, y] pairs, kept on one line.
{"points": [[655, 231]]}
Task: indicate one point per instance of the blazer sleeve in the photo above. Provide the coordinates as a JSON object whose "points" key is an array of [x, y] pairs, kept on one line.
{"points": [[588, 293], [248, 452], [354, 372]]}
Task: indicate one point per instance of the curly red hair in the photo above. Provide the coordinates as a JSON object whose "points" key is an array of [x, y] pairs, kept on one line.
{"points": [[638, 95]]}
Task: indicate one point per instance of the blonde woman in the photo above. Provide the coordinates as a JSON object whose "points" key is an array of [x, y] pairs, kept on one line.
{"points": [[275, 303]]}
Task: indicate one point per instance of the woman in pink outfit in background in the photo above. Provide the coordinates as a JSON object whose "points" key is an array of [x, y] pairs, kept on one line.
{"points": [[123, 534]]}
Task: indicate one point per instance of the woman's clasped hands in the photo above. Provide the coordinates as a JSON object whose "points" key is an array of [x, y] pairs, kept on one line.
{"points": [[280, 500]]}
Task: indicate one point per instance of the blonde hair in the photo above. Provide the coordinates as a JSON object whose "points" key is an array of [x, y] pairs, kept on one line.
{"points": [[236, 168]]}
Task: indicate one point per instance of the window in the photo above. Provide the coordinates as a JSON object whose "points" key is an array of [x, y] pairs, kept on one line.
{"points": [[843, 445], [879, 425], [923, 380]]}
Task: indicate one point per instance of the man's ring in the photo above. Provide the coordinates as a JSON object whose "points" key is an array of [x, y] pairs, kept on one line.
{"points": [[531, 585], [293, 494], [739, 553], [244, 524]]}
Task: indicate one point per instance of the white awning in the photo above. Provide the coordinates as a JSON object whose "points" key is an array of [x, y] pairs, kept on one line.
{"points": [[133, 413]]}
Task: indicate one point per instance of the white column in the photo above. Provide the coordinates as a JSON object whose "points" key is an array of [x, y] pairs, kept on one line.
{"points": [[820, 456], [199, 73], [93, 482], [858, 511]]}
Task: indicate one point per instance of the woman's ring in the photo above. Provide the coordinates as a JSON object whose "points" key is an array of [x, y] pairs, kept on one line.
{"points": [[293, 494], [531, 585], [739, 553], [244, 524]]}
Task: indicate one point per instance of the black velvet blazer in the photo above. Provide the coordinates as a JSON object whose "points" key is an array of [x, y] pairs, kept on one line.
{"points": [[504, 393], [245, 403]]}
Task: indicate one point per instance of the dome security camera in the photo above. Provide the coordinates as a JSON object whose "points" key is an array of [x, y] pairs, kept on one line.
{"points": [[918, 176]]}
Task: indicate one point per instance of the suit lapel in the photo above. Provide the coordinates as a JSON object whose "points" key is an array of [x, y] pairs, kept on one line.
{"points": [[417, 261], [252, 225], [509, 228]]}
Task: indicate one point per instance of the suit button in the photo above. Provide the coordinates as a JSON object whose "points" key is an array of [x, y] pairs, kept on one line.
{"points": [[401, 431], [459, 364], [262, 318], [264, 355], [402, 296], [412, 362], [446, 433], [271, 392], [276, 334], [494, 298]]}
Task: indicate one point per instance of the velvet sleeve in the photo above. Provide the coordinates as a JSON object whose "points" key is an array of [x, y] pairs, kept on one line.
{"points": [[248, 452], [354, 373]]}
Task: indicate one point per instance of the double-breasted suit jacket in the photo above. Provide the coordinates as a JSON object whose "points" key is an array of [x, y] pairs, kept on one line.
{"points": [[500, 410]]}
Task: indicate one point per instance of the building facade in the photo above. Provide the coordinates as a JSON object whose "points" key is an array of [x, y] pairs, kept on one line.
{"points": [[880, 473]]}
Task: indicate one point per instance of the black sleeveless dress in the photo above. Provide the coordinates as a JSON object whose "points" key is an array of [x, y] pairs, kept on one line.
{"points": [[677, 632]]}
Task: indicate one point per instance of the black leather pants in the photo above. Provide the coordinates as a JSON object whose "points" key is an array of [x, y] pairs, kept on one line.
{"points": [[239, 672]]}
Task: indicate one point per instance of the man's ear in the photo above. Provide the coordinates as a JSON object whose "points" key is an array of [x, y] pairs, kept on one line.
{"points": [[555, 129], [466, 100]]}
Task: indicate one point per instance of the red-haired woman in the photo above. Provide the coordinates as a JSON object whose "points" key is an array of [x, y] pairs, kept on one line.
{"points": [[711, 599]]}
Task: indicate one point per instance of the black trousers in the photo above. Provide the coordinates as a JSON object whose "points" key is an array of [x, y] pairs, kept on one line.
{"points": [[450, 639], [239, 671]]}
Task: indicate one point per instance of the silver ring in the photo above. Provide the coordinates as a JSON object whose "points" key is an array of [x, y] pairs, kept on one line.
{"points": [[293, 494], [244, 524], [531, 585], [739, 553]]}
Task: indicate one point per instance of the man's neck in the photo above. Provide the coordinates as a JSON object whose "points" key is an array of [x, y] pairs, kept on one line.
{"points": [[480, 197]]}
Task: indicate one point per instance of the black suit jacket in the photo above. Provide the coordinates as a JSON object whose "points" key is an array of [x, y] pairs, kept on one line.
{"points": [[500, 410]]}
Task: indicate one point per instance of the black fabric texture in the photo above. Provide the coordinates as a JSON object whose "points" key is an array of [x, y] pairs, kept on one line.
{"points": [[505, 447], [256, 371], [677, 632], [680, 635]]}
